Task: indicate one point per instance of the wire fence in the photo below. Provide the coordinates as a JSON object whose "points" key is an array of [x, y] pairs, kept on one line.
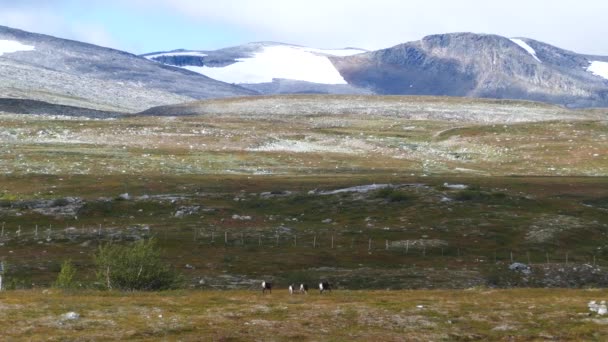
{"points": [[343, 243]]}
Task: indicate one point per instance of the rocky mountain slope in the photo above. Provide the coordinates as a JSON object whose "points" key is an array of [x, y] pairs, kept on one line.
{"points": [[488, 66], [458, 64], [45, 68]]}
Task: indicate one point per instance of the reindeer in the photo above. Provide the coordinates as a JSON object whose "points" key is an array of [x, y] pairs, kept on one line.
{"points": [[266, 286], [324, 286]]}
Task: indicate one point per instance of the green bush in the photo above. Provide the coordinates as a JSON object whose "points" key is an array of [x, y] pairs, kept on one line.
{"points": [[65, 279], [136, 267], [392, 195]]}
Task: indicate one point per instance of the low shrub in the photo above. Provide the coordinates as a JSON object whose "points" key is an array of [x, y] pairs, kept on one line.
{"points": [[136, 267]]}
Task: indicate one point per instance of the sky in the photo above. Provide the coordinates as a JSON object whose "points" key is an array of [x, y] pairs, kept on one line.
{"points": [[141, 26]]}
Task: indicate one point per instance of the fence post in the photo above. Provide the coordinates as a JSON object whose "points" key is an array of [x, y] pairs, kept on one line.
{"points": [[332, 241], [225, 237], [242, 240], [511, 256], [369, 247], [295, 240], [212, 237], [314, 242], [593, 260]]}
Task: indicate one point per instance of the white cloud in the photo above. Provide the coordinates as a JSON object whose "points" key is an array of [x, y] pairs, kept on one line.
{"points": [[40, 17], [380, 23]]}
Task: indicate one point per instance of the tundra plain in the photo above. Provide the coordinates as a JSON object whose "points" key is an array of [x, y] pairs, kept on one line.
{"points": [[415, 193]]}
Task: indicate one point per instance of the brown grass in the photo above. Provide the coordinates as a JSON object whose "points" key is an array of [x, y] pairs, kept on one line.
{"points": [[476, 314]]}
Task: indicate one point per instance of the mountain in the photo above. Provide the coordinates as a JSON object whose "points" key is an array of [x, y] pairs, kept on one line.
{"points": [[487, 66], [65, 72], [267, 67], [456, 64]]}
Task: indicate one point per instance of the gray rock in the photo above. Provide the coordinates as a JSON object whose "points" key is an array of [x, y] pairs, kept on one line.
{"points": [[519, 267], [70, 316]]}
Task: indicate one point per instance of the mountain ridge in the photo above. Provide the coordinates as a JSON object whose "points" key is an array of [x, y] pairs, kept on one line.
{"points": [[453, 64]]}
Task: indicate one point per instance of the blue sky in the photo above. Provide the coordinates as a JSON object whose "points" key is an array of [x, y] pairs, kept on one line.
{"points": [[152, 29], [141, 26]]}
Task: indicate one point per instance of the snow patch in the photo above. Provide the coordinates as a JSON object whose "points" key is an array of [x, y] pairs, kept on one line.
{"points": [[599, 69], [173, 54], [526, 47], [10, 46], [275, 62], [335, 52], [359, 189]]}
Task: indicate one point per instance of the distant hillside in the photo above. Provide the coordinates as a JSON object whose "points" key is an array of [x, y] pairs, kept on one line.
{"points": [[45, 68], [403, 107], [23, 106]]}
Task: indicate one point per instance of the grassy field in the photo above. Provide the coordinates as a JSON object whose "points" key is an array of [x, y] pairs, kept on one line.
{"points": [[476, 314]]}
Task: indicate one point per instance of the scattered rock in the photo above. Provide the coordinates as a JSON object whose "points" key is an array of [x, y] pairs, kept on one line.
{"points": [[70, 316], [519, 267], [455, 186], [241, 218], [600, 308], [187, 211], [124, 196]]}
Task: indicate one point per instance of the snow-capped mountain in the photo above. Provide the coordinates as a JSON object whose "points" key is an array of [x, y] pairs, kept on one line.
{"points": [[266, 66], [457, 64], [65, 72]]}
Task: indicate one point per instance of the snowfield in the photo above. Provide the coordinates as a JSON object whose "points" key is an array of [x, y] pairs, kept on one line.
{"points": [[281, 62], [10, 46], [599, 69], [526, 47]]}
